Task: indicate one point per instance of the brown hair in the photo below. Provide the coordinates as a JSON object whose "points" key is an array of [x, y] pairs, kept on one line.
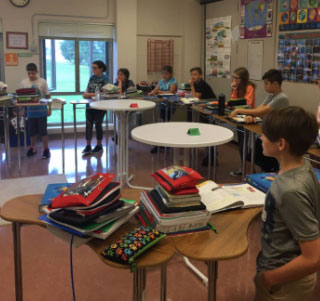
{"points": [[198, 69], [298, 127], [244, 81]]}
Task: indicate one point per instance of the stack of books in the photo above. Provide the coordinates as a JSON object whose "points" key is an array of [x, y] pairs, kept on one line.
{"points": [[28, 95], [173, 213], [99, 219]]}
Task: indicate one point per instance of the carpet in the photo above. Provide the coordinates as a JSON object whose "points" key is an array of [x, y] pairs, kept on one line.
{"points": [[11, 188]]}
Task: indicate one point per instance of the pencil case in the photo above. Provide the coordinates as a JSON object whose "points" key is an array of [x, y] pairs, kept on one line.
{"points": [[84, 192], [132, 245], [178, 178]]}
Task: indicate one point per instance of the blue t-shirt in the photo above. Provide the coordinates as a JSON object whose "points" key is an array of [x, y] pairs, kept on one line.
{"points": [[97, 81], [165, 85]]}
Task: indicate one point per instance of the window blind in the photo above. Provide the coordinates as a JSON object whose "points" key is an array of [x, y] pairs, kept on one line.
{"points": [[75, 30]]}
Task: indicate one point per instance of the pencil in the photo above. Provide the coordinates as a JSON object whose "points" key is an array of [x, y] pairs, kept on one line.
{"points": [[213, 228]]}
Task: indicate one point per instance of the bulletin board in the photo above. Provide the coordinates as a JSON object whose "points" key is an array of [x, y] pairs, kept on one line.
{"points": [[299, 56], [299, 15]]}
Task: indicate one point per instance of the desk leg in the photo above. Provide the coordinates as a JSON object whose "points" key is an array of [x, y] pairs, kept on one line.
{"points": [[107, 140], [244, 154], [16, 227], [6, 134], [24, 133], [253, 151], [139, 283], [212, 280], [215, 163], [163, 284], [18, 140], [62, 137], [209, 162], [75, 139]]}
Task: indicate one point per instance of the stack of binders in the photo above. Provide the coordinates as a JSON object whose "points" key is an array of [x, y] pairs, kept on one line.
{"points": [[28, 95], [91, 207], [177, 211]]}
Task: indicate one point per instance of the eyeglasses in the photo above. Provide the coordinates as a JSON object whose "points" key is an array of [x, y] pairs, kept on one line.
{"points": [[94, 68]]}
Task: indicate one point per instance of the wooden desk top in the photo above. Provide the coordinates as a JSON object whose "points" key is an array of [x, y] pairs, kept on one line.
{"points": [[315, 151], [24, 210], [230, 242]]}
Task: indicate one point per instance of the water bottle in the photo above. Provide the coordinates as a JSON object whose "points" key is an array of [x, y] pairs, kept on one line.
{"points": [[221, 104], [97, 93]]}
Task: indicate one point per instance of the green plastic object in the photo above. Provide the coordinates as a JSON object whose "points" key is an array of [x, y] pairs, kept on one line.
{"points": [[194, 132]]}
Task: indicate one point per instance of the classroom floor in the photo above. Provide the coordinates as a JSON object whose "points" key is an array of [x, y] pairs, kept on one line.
{"points": [[45, 258]]}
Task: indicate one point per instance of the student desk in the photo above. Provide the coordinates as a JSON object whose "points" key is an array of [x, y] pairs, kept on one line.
{"points": [[230, 242], [315, 152], [4, 104], [23, 210], [17, 106]]}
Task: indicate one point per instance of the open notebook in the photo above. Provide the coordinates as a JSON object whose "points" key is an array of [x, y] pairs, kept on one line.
{"points": [[218, 198]]}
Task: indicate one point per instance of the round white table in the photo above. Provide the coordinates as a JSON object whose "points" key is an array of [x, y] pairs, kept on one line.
{"points": [[122, 108], [175, 134]]}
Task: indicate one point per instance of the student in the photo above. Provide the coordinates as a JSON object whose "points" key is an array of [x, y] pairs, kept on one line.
{"points": [[168, 84], [37, 115], [123, 81], [290, 233], [97, 80], [242, 87], [199, 87], [277, 99]]}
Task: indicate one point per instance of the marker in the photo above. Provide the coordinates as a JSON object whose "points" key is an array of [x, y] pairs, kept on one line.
{"points": [[213, 228]]}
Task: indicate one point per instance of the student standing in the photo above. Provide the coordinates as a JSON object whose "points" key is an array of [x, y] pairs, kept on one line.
{"points": [[277, 99], [37, 115], [290, 235], [96, 82]]}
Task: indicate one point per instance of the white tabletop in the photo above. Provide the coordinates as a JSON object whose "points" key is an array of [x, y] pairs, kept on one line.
{"points": [[174, 134], [122, 105]]}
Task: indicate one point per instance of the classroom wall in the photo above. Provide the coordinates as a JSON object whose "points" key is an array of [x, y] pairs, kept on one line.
{"points": [[305, 95], [21, 20], [135, 21], [179, 20]]}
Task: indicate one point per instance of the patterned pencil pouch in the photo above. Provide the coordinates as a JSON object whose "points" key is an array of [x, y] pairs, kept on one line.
{"points": [[132, 245]]}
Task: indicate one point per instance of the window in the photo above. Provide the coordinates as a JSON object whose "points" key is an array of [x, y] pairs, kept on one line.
{"points": [[68, 50]]}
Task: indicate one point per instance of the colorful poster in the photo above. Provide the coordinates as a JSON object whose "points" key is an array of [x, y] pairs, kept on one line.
{"points": [[299, 15], [218, 46], [299, 57], [256, 19]]}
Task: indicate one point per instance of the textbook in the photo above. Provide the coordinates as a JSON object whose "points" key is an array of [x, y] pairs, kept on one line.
{"points": [[263, 181], [242, 119], [111, 227], [189, 100], [177, 198], [52, 191], [224, 197]]}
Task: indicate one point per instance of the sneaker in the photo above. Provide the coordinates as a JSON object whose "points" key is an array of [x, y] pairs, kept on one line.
{"points": [[97, 149], [31, 152], [87, 150], [46, 154], [237, 173]]}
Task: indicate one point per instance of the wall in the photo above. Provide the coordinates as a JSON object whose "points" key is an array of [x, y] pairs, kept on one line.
{"points": [[20, 20], [179, 20], [305, 95]]}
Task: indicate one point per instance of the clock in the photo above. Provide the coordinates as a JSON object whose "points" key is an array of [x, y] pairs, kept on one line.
{"points": [[19, 3]]}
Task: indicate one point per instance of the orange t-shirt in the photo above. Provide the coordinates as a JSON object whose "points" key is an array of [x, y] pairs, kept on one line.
{"points": [[250, 96]]}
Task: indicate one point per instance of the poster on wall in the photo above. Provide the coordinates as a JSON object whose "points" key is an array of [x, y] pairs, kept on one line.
{"points": [[299, 15], [218, 46], [256, 19], [299, 56]]}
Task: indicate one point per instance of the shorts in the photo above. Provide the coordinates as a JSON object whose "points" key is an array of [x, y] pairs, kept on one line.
{"points": [[37, 126], [297, 290]]}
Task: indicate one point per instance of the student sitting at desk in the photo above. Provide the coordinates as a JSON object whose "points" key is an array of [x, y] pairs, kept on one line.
{"points": [[242, 87], [168, 84], [290, 235], [37, 115], [277, 99], [123, 81], [97, 80], [199, 87]]}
